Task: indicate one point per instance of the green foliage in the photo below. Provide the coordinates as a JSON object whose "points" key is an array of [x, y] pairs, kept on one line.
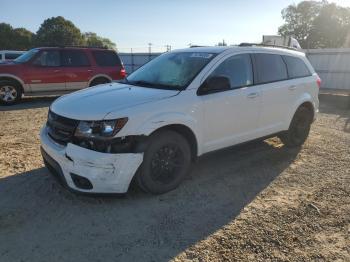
{"points": [[55, 31], [14, 39], [93, 40], [317, 24]]}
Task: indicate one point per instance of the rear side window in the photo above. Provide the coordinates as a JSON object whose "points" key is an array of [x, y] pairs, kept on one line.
{"points": [[11, 56], [238, 69], [270, 68], [74, 58], [106, 58], [296, 67]]}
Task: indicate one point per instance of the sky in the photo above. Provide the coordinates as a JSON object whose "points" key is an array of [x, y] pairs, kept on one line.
{"points": [[135, 23]]}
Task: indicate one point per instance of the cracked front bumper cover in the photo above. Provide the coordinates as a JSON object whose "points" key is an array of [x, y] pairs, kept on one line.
{"points": [[108, 173]]}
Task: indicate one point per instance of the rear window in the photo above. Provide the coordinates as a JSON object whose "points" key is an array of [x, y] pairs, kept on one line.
{"points": [[296, 67], [11, 56], [270, 68], [74, 58], [106, 58]]}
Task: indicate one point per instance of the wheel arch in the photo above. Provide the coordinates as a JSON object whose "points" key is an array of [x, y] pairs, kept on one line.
{"points": [[186, 132], [303, 102], [95, 77], [17, 80]]}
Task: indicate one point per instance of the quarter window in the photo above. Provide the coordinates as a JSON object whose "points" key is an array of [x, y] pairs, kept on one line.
{"points": [[48, 58], [106, 58], [270, 68], [74, 58], [238, 69], [296, 67]]}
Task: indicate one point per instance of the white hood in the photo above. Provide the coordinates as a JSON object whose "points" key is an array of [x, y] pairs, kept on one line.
{"points": [[96, 102]]}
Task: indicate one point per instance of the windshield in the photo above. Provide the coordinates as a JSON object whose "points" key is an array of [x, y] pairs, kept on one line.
{"points": [[26, 56], [170, 70]]}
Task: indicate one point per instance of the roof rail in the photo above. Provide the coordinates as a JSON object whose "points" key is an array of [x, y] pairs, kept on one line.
{"points": [[266, 45], [73, 46], [82, 46], [194, 46]]}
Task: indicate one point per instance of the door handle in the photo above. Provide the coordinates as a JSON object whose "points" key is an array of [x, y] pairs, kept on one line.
{"points": [[57, 71], [89, 70], [292, 87], [253, 95]]}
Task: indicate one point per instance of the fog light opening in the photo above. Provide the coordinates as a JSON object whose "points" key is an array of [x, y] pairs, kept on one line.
{"points": [[81, 182]]}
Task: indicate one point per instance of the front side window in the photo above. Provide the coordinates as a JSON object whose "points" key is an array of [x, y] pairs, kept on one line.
{"points": [[296, 67], [238, 69], [48, 58], [26, 56], [74, 58], [171, 70], [270, 68]]}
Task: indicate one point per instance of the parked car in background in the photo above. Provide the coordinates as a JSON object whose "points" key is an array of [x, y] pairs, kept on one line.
{"points": [[57, 70], [175, 108], [8, 55]]}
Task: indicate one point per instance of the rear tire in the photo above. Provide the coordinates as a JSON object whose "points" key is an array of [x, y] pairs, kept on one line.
{"points": [[166, 163], [99, 81], [10, 92], [299, 128]]}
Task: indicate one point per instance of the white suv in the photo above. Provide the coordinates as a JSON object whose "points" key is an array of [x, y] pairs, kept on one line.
{"points": [[177, 107]]}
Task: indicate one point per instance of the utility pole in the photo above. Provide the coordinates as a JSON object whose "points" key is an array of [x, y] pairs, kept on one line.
{"points": [[132, 60], [168, 48], [149, 51]]}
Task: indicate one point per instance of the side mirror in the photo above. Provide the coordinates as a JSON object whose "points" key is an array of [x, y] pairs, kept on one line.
{"points": [[214, 84]]}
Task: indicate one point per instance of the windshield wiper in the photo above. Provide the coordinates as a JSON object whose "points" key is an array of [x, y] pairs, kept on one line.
{"points": [[154, 85]]}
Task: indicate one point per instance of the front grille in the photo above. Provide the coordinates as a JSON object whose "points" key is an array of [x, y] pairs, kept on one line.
{"points": [[61, 129]]}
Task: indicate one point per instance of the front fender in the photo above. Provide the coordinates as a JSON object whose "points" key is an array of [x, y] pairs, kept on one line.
{"points": [[149, 125]]}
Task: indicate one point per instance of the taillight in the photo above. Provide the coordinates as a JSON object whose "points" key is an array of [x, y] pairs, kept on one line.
{"points": [[319, 81], [122, 73]]}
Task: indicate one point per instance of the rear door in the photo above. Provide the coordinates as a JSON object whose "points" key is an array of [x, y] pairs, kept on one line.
{"points": [[272, 77], [108, 63], [77, 68], [45, 72], [232, 116]]}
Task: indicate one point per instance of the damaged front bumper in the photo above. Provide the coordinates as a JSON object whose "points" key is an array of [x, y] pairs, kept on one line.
{"points": [[89, 171]]}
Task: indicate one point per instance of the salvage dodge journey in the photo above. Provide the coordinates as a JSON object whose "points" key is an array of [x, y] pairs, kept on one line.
{"points": [[152, 125]]}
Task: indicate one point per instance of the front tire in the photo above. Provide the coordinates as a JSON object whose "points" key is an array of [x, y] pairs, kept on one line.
{"points": [[299, 128], [10, 93], [166, 162]]}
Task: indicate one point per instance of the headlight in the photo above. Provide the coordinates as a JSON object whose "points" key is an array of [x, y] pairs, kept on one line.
{"points": [[100, 129]]}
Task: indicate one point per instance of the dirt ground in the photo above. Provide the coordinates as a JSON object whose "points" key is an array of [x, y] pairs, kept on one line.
{"points": [[255, 202]]}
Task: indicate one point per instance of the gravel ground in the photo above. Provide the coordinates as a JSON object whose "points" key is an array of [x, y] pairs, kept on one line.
{"points": [[255, 202]]}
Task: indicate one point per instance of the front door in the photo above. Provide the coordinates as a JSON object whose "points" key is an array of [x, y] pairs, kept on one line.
{"points": [[45, 73], [232, 116]]}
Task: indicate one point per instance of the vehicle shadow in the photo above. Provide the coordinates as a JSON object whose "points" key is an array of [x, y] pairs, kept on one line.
{"points": [[340, 112], [49, 223], [30, 103]]}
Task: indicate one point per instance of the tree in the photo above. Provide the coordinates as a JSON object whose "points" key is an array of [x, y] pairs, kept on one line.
{"points": [[22, 39], [93, 40], [316, 24], [15, 39], [299, 20], [331, 27], [5, 36], [57, 31]]}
